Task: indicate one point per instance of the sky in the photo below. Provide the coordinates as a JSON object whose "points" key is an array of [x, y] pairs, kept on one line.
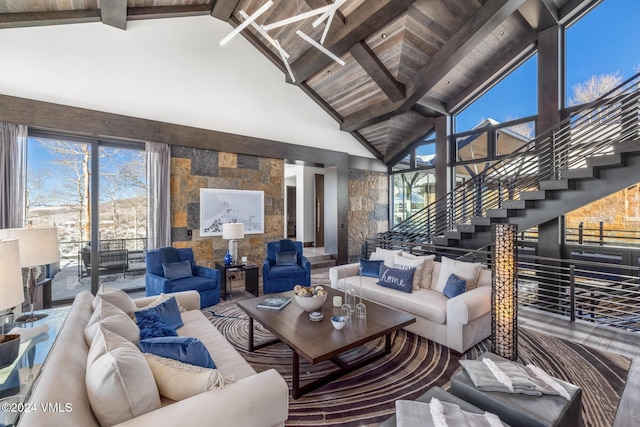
{"points": [[605, 41]]}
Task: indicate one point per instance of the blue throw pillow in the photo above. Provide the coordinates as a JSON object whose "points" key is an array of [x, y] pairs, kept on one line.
{"points": [[454, 286], [287, 258], [396, 278], [185, 349], [153, 326], [370, 267], [177, 270], [167, 311]]}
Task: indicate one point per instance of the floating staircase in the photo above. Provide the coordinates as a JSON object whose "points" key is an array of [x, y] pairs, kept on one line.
{"points": [[591, 154]]}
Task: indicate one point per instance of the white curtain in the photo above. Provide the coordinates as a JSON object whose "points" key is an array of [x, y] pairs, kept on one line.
{"points": [[158, 208], [13, 174]]}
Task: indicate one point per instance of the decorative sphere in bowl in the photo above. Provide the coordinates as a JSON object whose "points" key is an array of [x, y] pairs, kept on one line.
{"points": [[311, 303], [338, 322]]}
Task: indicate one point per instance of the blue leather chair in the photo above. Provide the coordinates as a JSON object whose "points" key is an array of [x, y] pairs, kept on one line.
{"points": [[202, 279], [282, 270]]}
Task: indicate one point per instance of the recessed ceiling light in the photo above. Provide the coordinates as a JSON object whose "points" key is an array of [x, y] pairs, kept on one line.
{"points": [[447, 82], [329, 72], [383, 35], [502, 33]]}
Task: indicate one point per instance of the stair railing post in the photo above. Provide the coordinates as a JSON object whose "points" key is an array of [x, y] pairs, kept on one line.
{"points": [[572, 292], [581, 233], [601, 233]]}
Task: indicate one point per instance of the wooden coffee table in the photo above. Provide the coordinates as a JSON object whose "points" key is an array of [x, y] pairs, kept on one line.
{"points": [[319, 341]]}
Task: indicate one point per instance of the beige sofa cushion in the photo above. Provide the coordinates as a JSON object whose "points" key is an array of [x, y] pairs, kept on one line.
{"points": [[467, 271], [406, 263], [119, 382], [387, 256], [178, 381], [224, 355], [115, 296], [427, 268], [424, 303], [112, 318]]}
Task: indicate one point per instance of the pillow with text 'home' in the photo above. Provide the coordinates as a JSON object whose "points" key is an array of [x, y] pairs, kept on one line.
{"points": [[396, 278], [406, 263]]}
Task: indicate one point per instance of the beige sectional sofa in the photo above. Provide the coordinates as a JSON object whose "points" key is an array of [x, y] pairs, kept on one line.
{"points": [[458, 323], [252, 399]]}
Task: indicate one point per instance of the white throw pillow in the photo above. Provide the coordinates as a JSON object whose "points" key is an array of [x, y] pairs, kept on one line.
{"points": [[120, 384], [112, 318], [427, 268], [177, 380], [467, 271], [402, 262], [115, 296], [385, 255]]}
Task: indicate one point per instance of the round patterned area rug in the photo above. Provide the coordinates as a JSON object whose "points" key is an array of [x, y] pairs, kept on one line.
{"points": [[361, 398]]}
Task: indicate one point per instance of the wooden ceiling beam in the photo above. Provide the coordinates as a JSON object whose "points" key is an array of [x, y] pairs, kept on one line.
{"points": [[114, 13], [365, 142], [154, 12], [35, 19], [223, 9], [474, 31], [378, 72], [417, 134], [363, 21]]}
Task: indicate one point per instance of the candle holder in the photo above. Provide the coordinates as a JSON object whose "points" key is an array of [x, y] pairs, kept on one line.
{"points": [[361, 309]]}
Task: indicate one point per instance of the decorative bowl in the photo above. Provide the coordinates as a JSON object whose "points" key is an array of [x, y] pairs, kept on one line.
{"points": [[311, 303], [338, 322]]}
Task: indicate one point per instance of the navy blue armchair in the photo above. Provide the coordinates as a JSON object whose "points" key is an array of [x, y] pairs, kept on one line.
{"points": [[174, 270], [284, 267]]}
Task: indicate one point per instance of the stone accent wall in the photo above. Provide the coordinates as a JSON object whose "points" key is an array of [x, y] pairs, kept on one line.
{"points": [[368, 208], [192, 169]]}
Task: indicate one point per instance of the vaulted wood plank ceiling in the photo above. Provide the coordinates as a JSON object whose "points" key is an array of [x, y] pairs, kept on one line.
{"points": [[406, 61]]}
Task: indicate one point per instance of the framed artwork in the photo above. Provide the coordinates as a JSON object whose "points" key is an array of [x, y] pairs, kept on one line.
{"points": [[219, 207]]}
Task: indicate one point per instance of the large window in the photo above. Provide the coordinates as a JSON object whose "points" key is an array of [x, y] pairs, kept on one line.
{"points": [[59, 174], [415, 187], [514, 97], [598, 60]]}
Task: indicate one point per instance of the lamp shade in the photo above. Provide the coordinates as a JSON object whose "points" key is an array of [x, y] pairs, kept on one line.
{"points": [[233, 230], [38, 246], [11, 291]]}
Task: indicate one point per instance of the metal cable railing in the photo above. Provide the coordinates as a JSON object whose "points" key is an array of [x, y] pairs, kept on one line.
{"points": [[590, 131]]}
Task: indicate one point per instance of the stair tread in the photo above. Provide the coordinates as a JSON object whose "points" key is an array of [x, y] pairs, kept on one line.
{"points": [[533, 195], [555, 184], [607, 160], [588, 172], [627, 147]]}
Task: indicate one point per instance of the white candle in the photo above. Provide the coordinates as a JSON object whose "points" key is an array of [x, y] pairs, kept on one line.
{"points": [[337, 301]]}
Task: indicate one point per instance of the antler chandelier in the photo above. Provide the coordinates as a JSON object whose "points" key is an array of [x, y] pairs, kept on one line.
{"points": [[326, 15]]}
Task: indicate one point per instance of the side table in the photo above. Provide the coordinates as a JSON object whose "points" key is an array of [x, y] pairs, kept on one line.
{"points": [[250, 277], [17, 380]]}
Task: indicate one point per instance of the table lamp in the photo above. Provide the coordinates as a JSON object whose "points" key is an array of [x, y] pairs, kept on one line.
{"points": [[38, 246], [11, 295], [232, 232]]}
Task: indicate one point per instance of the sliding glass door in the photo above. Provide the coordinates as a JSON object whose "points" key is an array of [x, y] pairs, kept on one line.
{"points": [[60, 193]]}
